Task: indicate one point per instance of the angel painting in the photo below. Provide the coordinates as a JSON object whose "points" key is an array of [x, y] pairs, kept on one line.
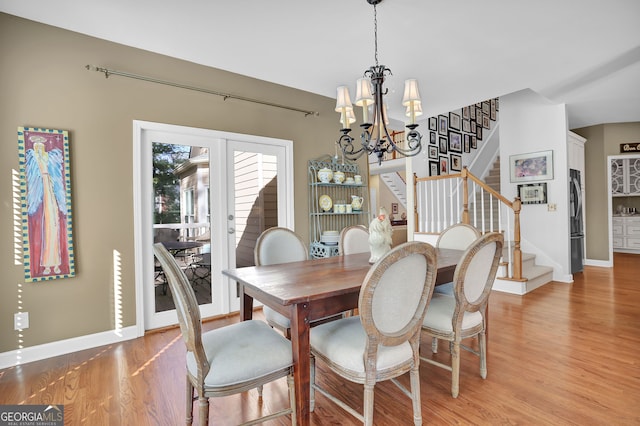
{"points": [[48, 254]]}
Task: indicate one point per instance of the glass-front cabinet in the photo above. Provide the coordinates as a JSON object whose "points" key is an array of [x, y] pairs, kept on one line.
{"points": [[338, 198], [625, 176]]}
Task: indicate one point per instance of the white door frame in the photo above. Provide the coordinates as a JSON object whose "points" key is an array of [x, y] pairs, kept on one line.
{"points": [[142, 231]]}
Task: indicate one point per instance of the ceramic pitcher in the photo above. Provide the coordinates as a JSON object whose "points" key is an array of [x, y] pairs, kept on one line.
{"points": [[356, 202]]}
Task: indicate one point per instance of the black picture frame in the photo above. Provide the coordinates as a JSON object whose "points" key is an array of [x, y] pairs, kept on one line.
{"points": [[466, 125], [467, 142], [456, 162], [533, 193], [455, 141], [474, 142], [485, 121], [434, 168], [443, 125], [454, 121], [486, 108], [444, 142], [466, 111], [479, 132], [433, 139], [433, 152], [433, 124], [443, 165], [472, 112]]}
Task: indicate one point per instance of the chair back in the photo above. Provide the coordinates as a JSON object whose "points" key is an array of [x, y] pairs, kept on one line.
{"points": [[279, 245], [395, 294], [186, 307], [354, 239], [476, 272], [458, 236]]}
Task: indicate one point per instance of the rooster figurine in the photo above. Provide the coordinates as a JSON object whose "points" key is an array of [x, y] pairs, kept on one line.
{"points": [[379, 236]]}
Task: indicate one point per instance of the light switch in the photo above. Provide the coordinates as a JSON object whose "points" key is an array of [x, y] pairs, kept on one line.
{"points": [[552, 207]]}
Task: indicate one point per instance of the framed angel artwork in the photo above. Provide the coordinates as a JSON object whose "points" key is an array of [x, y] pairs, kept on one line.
{"points": [[45, 183]]}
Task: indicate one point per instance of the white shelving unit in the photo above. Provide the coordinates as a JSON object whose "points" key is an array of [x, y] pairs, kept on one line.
{"points": [[320, 220]]}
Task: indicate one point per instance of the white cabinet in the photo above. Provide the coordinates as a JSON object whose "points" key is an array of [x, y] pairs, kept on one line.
{"points": [[626, 233], [625, 176]]}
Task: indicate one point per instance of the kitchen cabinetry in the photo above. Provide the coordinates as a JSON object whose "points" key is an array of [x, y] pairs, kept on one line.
{"points": [[625, 176], [330, 205], [626, 233]]}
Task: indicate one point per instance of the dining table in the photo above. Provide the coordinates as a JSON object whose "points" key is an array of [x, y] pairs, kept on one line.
{"points": [[310, 290]]}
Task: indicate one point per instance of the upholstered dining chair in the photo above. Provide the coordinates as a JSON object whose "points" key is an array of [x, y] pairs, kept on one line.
{"points": [[354, 239], [462, 315], [227, 360], [458, 236], [381, 343], [279, 245]]}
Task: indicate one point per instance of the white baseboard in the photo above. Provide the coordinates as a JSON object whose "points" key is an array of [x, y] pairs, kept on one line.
{"points": [[62, 347], [600, 263]]}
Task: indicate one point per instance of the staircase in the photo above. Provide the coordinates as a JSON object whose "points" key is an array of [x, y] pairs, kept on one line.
{"points": [[396, 185], [536, 275]]}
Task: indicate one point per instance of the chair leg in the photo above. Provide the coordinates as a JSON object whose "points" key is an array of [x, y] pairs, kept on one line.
{"points": [[455, 368], [203, 411], [482, 345], [415, 395], [189, 402], [434, 345], [292, 399], [312, 390], [368, 404]]}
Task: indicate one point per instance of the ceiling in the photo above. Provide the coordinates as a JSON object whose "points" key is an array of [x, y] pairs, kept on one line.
{"points": [[585, 53]]}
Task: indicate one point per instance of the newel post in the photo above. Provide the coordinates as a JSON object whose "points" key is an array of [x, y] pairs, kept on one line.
{"points": [[517, 253], [465, 195]]}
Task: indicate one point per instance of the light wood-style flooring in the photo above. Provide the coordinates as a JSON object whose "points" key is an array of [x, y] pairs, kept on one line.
{"points": [[565, 354]]}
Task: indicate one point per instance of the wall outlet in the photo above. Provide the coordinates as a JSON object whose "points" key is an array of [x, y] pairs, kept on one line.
{"points": [[21, 320], [552, 207]]}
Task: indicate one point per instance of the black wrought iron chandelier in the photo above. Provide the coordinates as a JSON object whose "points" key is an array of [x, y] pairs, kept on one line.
{"points": [[375, 138]]}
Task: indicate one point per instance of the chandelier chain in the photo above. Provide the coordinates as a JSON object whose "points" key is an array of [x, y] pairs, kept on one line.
{"points": [[375, 32]]}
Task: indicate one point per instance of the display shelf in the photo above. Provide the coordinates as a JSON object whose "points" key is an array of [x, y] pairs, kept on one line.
{"points": [[333, 217]]}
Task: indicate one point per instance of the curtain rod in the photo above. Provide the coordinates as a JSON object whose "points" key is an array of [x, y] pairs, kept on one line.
{"points": [[107, 72]]}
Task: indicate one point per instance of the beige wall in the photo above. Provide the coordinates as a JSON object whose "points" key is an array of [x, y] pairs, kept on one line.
{"points": [[602, 141], [44, 83]]}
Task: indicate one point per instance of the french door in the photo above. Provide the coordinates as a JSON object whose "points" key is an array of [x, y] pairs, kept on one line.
{"points": [[206, 196]]}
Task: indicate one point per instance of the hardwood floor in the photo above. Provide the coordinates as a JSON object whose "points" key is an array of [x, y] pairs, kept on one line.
{"points": [[565, 354]]}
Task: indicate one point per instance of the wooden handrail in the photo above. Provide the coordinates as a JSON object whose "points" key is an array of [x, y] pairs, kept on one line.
{"points": [[514, 205]]}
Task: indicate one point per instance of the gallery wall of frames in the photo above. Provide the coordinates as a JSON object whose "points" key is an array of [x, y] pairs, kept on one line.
{"points": [[456, 133]]}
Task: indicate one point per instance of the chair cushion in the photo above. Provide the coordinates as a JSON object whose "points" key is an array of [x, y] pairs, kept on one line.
{"points": [[275, 317], [242, 352], [440, 312], [343, 342]]}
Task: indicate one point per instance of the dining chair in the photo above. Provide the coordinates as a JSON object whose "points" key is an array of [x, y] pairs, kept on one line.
{"points": [[382, 342], [459, 237], [279, 245], [228, 360], [354, 239], [463, 315]]}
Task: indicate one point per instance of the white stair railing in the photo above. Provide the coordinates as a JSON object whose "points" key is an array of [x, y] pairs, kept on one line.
{"points": [[442, 201]]}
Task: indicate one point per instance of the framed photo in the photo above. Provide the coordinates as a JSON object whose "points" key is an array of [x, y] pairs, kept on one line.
{"points": [[533, 193], [485, 107], [45, 181], [466, 111], [394, 208], [454, 121], [433, 152], [443, 145], [456, 162], [479, 132], [493, 114], [443, 165], [466, 125], [474, 142], [472, 112], [485, 121], [434, 168], [443, 124], [432, 138], [467, 142], [433, 123], [473, 127], [531, 167], [455, 141]]}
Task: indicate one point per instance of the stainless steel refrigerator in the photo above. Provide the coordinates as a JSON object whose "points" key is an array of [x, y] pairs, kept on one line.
{"points": [[575, 221]]}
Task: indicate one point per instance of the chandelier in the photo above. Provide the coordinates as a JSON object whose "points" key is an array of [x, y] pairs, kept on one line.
{"points": [[375, 138]]}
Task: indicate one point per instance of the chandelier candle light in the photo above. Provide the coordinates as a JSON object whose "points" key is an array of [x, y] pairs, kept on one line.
{"points": [[375, 137]]}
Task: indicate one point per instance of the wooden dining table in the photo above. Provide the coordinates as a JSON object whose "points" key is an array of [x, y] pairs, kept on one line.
{"points": [[311, 290]]}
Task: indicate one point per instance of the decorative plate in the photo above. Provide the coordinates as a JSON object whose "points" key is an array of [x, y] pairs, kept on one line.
{"points": [[325, 202]]}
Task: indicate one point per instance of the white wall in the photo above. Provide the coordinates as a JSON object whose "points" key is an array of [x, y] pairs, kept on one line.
{"points": [[530, 123]]}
